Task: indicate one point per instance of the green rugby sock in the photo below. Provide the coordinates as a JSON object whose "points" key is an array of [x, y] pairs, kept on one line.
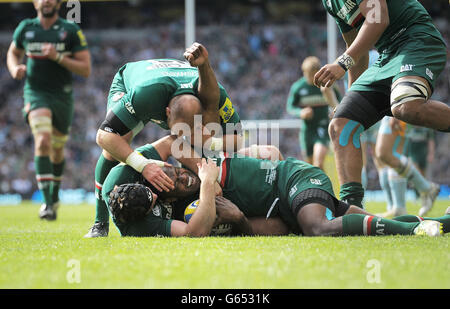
{"points": [[58, 169], [358, 224], [445, 220], [352, 193], [44, 177], [101, 171]]}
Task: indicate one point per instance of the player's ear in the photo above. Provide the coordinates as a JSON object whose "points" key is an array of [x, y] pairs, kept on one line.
{"points": [[167, 112]]}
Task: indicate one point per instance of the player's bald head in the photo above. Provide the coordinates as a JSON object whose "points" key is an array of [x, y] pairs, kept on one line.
{"points": [[183, 108]]}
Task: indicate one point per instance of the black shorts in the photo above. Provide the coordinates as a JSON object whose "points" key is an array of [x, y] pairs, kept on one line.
{"points": [[317, 196], [365, 107]]}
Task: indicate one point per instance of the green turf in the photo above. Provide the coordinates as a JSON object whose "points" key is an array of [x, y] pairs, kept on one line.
{"points": [[38, 254]]}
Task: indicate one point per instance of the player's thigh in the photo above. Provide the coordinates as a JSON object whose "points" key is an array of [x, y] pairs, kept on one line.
{"points": [[314, 220]]}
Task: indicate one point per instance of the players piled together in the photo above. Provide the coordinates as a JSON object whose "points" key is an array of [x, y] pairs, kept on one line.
{"points": [[255, 189]]}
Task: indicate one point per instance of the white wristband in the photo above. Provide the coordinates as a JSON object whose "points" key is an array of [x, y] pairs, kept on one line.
{"points": [[138, 161]]}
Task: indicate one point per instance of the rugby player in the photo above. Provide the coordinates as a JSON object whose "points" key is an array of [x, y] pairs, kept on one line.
{"points": [[311, 105], [298, 193], [391, 146], [169, 93], [133, 217], [400, 83], [55, 48]]}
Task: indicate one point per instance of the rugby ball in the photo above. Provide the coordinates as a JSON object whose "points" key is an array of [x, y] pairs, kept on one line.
{"points": [[219, 230]]}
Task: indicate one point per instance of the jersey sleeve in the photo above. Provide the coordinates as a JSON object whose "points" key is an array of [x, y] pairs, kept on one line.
{"points": [[293, 98], [227, 113], [78, 40], [18, 35], [149, 152]]}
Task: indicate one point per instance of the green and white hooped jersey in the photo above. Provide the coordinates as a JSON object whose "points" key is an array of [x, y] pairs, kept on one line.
{"points": [[44, 74], [406, 17], [151, 84]]}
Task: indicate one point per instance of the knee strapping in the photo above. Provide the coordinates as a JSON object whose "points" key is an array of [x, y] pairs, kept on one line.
{"points": [[41, 124], [59, 141], [406, 90], [346, 133]]}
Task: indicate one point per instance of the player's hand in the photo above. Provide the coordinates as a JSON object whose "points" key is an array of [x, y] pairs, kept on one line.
{"points": [[196, 54], [49, 51], [307, 113], [19, 71], [208, 171], [155, 175], [227, 211], [328, 74]]}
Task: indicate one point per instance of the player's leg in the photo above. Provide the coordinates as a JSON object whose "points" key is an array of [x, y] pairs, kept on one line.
{"points": [[388, 150], [321, 218], [445, 220], [410, 103], [319, 153], [384, 184], [306, 144], [40, 121], [57, 159], [104, 165]]}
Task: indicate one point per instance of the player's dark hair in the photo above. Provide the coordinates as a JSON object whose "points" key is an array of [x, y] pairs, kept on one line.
{"points": [[130, 202]]}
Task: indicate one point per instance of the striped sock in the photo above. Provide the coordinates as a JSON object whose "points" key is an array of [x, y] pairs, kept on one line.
{"points": [[58, 169], [44, 177], [366, 225]]}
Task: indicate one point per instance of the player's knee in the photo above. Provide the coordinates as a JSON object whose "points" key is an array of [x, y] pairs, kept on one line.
{"points": [[336, 126], [407, 96], [409, 112], [42, 143]]}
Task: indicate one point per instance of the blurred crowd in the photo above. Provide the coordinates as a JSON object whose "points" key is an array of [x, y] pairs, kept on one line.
{"points": [[255, 61]]}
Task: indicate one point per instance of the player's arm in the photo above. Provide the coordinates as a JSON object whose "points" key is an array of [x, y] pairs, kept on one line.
{"points": [[361, 65], [228, 212], [112, 137], [203, 219], [208, 88], [79, 63], [14, 60], [330, 96], [292, 99], [376, 21]]}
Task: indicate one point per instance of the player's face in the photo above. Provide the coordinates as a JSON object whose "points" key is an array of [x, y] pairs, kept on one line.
{"points": [[309, 75], [186, 182], [48, 8]]}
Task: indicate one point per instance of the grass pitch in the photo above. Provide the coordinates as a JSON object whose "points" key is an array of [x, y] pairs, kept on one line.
{"points": [[41, 254]]}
